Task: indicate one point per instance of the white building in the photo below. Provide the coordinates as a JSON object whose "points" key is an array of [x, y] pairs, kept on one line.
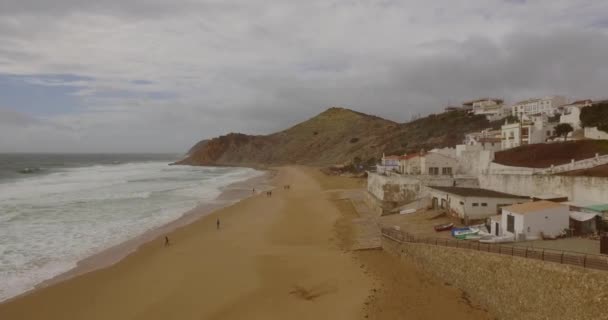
{"points": [[430, 163], [484, 140], [571, 113], [388, 164], [492, 108], [471, 204], [547, 105], [530, 130], [532, 220]]}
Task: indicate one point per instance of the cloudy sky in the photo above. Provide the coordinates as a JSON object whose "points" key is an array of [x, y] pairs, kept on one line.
{"points": [[157, 75]]}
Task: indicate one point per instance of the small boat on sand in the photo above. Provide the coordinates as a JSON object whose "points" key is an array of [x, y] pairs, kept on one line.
{"points": [[462, 233], [473, 237], [443, 227], [501, 239]]}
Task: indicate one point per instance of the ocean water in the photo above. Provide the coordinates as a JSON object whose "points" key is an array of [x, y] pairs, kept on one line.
{"points": [[64, 208]]}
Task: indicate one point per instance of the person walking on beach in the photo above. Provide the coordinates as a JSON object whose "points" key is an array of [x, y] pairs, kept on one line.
{"points": [[166, 241], [218, 223]]}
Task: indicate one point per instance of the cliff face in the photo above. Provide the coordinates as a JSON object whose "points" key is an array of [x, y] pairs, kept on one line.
{"points": [[335, 136]]}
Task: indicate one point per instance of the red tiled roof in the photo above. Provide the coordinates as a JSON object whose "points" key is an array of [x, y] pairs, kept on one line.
{"points": [[392, 157]]}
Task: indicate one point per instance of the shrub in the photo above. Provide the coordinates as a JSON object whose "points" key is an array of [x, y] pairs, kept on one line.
{"points": [[595, 116]]}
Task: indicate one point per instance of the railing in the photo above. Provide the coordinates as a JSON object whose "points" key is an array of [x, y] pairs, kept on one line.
{"points": [[589, 261]]}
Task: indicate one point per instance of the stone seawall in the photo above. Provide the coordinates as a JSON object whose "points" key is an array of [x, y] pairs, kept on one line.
{"points": [[513, 287]]}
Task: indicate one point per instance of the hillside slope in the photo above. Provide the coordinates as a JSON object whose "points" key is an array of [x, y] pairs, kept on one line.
{"points": [[336, 136]]}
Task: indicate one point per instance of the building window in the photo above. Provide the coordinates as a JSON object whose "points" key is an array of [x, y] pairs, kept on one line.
{"points": [[484, 204], [446, 171], [434, 171], [461, 203], [475, 204], [511, 223]]}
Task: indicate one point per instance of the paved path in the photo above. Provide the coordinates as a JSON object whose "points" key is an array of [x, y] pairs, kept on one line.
{"points": [[366, 229]]}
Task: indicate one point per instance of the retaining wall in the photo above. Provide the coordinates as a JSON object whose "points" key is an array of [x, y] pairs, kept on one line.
{"points": [[575, 188], [394, 190], [513, 287]]}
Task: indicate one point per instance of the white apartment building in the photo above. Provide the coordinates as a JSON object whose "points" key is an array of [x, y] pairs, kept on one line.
{"points": [[571, 113], [492, 108], [547, 106], [527, 131]]}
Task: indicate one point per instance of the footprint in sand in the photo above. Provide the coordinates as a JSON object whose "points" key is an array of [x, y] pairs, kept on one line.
{"points": [[311, 294]]}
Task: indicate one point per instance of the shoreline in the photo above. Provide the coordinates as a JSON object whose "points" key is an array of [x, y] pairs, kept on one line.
{"points": [[282, 257], [229, 195]]}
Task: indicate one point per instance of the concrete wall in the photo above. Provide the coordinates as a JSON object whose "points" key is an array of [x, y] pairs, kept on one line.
{"points": [[395, 190], [495, 168], [512, 287], [594, 133], [575, 188]]}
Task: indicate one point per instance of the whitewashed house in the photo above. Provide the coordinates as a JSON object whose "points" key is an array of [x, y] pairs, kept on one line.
{"points": [[547, 106], [471, 204], [571, 113], [484, 140], [492, 108], [430, 163], [529, 130], [388, 164], [532, 220]]}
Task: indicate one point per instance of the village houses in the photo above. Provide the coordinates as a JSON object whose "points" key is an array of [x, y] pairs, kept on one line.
{"points": [[431, 163], [484, 140], [530, 129], [471, 204], [388, 164], [547, 105], [571, 113], [492, 108], [533, 220]]}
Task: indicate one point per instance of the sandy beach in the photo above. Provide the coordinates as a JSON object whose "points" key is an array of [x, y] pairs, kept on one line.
{"points": [[279, 257]]}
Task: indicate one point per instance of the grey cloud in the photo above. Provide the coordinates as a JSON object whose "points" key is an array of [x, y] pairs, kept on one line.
{"points": [[13, 118], [258, 67], [140, 8]]}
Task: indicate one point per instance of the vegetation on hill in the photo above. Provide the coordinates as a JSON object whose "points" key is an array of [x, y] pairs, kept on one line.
{"points": [[337, 136], [544, 155], [595, 116]]}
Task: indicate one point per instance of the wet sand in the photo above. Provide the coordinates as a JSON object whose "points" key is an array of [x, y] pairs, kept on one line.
{"points": [[279, 257]]}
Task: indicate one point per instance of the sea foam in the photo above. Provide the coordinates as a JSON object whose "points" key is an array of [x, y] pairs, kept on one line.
{"points": [[50, 222]]}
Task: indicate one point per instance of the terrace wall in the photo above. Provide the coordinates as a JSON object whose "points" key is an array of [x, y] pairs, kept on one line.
{"points": [[576, 188]]}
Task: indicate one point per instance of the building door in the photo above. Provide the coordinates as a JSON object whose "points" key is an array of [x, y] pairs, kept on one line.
{"points": [[496, 228], [435, 203], [511, 223], [443, 204]]}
